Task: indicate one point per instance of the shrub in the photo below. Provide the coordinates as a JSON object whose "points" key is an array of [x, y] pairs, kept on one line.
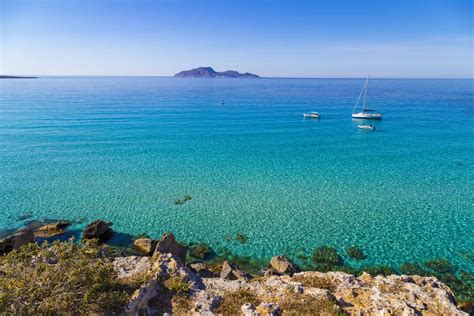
{"points": [[59, 278], [327, 256], [355, 252], [177, 285], [233, 301], [300, 304]]}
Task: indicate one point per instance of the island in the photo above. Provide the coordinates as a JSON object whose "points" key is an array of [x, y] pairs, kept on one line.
{"points": [[208, 72], [16, 77]]}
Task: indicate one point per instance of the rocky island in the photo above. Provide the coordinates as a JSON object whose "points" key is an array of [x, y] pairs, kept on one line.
{"points": [[208, 72], [16, 77], [163, 276]]}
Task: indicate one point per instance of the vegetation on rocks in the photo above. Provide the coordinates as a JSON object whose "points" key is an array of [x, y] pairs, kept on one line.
{"points": [[62, 277], [233, 301]]}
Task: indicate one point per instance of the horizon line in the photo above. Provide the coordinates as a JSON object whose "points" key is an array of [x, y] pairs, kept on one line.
{"points": [[260, 77]]}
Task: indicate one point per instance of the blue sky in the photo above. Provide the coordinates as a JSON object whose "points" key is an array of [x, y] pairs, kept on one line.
{"points": [[331, 38]]}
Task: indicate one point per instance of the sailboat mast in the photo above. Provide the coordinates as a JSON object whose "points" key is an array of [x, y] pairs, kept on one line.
{"points": [[365, 92]]}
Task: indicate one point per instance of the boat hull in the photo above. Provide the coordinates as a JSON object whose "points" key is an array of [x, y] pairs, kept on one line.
{"points": [[367, 116]]}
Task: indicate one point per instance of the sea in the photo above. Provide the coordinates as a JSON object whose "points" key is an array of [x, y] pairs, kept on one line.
{"points": [[124, 149]]}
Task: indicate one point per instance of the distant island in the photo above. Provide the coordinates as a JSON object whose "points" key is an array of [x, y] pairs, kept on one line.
{"points": [[16, 77], [208, 72]]}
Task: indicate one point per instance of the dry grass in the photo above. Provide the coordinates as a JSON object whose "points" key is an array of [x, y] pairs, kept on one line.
{"points": [[233, 301], [315, 281], [300, 304]]}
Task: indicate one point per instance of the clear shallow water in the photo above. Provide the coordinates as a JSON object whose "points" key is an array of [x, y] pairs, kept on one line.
{"points": [[123, 149]]}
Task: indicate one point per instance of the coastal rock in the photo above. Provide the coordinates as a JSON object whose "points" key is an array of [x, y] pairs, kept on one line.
{"points": [[15, 241], [202, 270], [304, 291], [269, 309], [51, 230], [132, 266], [98, 229], [168, 244], [248, 309], [145, 246], [231, 271], [281, 265]]}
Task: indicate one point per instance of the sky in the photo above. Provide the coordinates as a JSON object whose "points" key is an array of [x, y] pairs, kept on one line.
{"points": [[327, 38]]}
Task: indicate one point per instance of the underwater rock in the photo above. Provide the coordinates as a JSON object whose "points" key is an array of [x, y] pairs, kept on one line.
{"points": [[355, 253], [440, 265], [241, 238], [200, 250], [184, 200], [326, 255], [51, 230], [98, 229], [168, 244], [231, 271], [281, 265], [145, 246]]}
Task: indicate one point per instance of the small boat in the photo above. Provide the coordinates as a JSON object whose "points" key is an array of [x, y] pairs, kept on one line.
{"points": [[311, 115], [366, 113], [367, 126]]}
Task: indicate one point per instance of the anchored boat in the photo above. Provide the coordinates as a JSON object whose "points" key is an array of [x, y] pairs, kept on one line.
{"points": [[311, 115], [366, 113], [367, 127]]}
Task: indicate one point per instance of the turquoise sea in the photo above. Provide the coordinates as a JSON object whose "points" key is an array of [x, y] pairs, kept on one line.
{"points": [[124, 149]]}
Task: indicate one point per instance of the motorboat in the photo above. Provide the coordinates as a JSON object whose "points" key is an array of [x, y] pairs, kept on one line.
{"points": [[312, 115], [366, 127]]}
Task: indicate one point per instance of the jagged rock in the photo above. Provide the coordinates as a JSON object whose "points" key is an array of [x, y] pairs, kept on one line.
{"points": [[145, 246], [281, 265], [15, 241], [268, 309], [50, 230], [231, 271], [98, 229], [202, 270], [132, 266], [248, 309], [142, 299], [168, 244]]}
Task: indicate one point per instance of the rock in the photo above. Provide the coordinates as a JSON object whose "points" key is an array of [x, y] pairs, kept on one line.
{"points": [[231, 271], [168, 244], [142, 299], [200, 250], [15, 241], [248, 309], [268, 309], [131, 266], [145, 246], [281, 265], [50, 230], [202, 270], [98, 229]]}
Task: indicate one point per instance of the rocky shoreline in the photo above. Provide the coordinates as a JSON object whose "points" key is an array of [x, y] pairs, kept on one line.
{"points": [[171, 278]]}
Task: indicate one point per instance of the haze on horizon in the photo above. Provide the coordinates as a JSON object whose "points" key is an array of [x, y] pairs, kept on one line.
{"points": [[330, 38]]}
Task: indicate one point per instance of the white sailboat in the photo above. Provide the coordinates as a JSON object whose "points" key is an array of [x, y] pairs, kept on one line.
{"points": [[366, 113]]}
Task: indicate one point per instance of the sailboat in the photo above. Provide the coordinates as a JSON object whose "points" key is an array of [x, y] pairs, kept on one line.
{"points": [[366, 113]]}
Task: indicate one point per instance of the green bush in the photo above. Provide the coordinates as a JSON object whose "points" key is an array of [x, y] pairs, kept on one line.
{"points": [[59, 278], [327, 256]]}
